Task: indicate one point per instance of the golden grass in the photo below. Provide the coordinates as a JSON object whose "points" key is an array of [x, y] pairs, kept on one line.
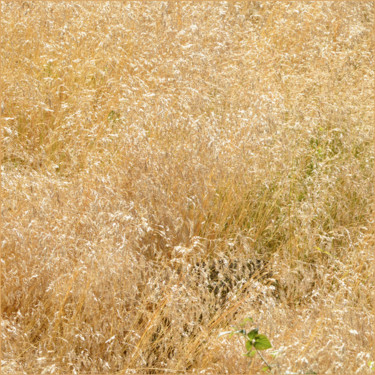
{"points": [[140, 138]]}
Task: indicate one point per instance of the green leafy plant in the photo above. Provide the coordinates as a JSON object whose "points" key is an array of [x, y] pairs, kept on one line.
{"points": [[254, 341]]}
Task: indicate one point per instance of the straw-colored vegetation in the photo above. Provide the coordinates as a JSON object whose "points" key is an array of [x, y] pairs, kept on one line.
{"points": [[144, 139]]}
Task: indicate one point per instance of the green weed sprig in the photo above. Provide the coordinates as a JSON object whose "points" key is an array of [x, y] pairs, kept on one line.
{"points": [[254, 342]]}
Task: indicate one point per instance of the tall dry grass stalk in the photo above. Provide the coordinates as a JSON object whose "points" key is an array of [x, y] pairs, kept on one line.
{"points": [[141, 139]]}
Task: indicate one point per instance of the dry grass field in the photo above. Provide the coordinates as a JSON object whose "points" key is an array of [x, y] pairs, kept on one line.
{"points": [[142, 141]]}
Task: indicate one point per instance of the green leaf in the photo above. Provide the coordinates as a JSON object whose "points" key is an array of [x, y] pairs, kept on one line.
{"points": [[250, 354], [265, 368], [248, 345], [262, 342], [252, 334]]}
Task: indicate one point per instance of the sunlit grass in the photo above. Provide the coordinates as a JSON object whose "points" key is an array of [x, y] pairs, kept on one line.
{"points": [[142, 138]]}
